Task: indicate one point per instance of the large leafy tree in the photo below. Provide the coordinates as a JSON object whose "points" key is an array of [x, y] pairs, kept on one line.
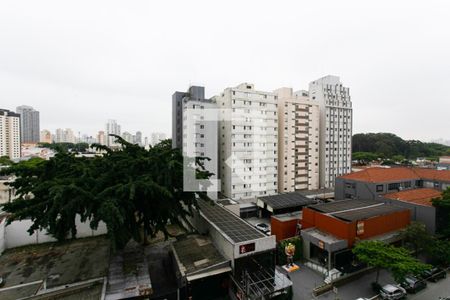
{"points": [[135, 191], [442, 205], [380, 255], [416, 236]]}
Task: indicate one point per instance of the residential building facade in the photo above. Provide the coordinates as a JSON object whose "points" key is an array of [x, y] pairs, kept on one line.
{"points": [[335, 127], [9, 134], [29, 124], [46, 136], [298, 141], [248, 142], [112, 128]]}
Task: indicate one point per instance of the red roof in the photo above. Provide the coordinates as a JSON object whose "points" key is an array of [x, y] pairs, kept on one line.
{"points": [[393, 174], [417, 196]]}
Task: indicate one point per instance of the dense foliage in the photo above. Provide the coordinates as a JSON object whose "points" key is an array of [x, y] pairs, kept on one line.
{"points": [[380, 255], [136, 192], [65, 147], [388, 145], [442, 205]]}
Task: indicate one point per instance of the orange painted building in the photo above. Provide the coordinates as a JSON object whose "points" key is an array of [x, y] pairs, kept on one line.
{"points": [[330, 229]]}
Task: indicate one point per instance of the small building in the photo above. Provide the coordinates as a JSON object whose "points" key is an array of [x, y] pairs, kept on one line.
{"points": [[249, 253], [418, 201], [330, 230], [374, 182], [285, 212], [444, 163]]}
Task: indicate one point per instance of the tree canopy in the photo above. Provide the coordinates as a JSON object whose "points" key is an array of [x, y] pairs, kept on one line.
{"points": [[64, 147], [380, 255], [442, 205], [5, 161], [135, 191], [389, 145]]}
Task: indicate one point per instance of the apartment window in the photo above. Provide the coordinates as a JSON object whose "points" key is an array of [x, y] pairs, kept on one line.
{"points": [[393, 186], [380, 188]]}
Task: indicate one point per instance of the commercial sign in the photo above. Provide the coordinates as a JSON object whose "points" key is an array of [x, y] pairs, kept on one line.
{"points": [[360, 227], [246, 248]]}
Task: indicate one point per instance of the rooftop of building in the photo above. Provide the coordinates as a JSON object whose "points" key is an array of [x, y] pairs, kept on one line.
{"points": [[421, 196], [230, 225], [343, 205], [355, 210], [375, 175], [196, 254], [24, 269], [286, 200]]}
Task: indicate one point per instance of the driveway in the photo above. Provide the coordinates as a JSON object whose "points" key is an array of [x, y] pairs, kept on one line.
{"points": [[305, 280]]}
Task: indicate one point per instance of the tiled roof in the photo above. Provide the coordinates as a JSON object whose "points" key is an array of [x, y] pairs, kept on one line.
{"points": [[417, 196], [392, 174]]}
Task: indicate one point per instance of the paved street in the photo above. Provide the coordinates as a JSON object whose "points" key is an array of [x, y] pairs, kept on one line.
{"points": [[434, 291], [306, 279]]}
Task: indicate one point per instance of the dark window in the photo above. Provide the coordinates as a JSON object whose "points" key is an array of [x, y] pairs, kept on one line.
{"points": [[407, 184], [379, 188], [419, 183], [393, 186]]}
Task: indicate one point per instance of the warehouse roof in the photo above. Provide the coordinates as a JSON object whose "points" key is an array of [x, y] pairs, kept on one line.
{"points": [[368, 212], [287, 200], [342, 205]]}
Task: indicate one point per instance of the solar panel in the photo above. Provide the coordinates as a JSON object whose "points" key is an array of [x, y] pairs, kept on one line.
{"points": [[286, 200], [234, 227]]}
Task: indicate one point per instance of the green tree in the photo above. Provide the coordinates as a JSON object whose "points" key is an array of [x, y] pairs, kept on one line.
{"points": [[398, 158], [384, 256], [136, 192], [417, 237], [442, 206], [5, 161], [364, 158]]}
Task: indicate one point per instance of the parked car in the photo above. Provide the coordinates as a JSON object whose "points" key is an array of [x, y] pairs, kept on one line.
{"points": [[412, 284], [392, 292], [262, 227], [434, 274]]}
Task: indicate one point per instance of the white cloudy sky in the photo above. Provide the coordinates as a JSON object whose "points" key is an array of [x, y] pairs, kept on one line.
{"points": [[82, 62]]}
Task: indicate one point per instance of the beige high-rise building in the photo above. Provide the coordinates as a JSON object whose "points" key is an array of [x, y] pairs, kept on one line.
{"points": [[298, 141], [9, 134], [101, 138], [248, 137], [46, 136]]}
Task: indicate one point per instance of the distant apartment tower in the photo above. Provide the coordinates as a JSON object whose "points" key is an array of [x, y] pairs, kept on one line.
{"points": [[112, 128], [29, 124], [248, 138], [157, 137], [101, 138], [128, 137], [9, 134], [138, 138], [46, 136], [298, 141], [335, 128], [64, 136]]}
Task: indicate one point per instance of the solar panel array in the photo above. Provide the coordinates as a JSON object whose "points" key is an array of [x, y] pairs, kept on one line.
{"points": [[340, 205], [286, 200], [365, 213], [234, 227]]}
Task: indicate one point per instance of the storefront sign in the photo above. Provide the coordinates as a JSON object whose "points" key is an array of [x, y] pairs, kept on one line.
{"points": [[246, 248], [321, 245], [360, 227]]}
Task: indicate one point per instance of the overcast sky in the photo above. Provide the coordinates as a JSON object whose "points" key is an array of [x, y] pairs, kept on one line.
{"points": [[82, 62]]}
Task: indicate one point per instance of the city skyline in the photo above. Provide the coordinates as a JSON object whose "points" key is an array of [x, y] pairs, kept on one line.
{"points": [[100, 68]]}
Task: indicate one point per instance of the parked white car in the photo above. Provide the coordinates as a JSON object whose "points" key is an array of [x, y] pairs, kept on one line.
{"points": [[262, 227], [392, 292]]}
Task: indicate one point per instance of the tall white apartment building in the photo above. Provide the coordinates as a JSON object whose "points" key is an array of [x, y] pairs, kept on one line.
{"points": [[298, 141], [45, 136], [9, 134], [335, 127], [112, 128], [248, 138], [157, 137]]}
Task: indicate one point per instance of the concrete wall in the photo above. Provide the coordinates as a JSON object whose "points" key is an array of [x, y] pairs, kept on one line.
{"points": [[16, 234], [420, 213]]}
